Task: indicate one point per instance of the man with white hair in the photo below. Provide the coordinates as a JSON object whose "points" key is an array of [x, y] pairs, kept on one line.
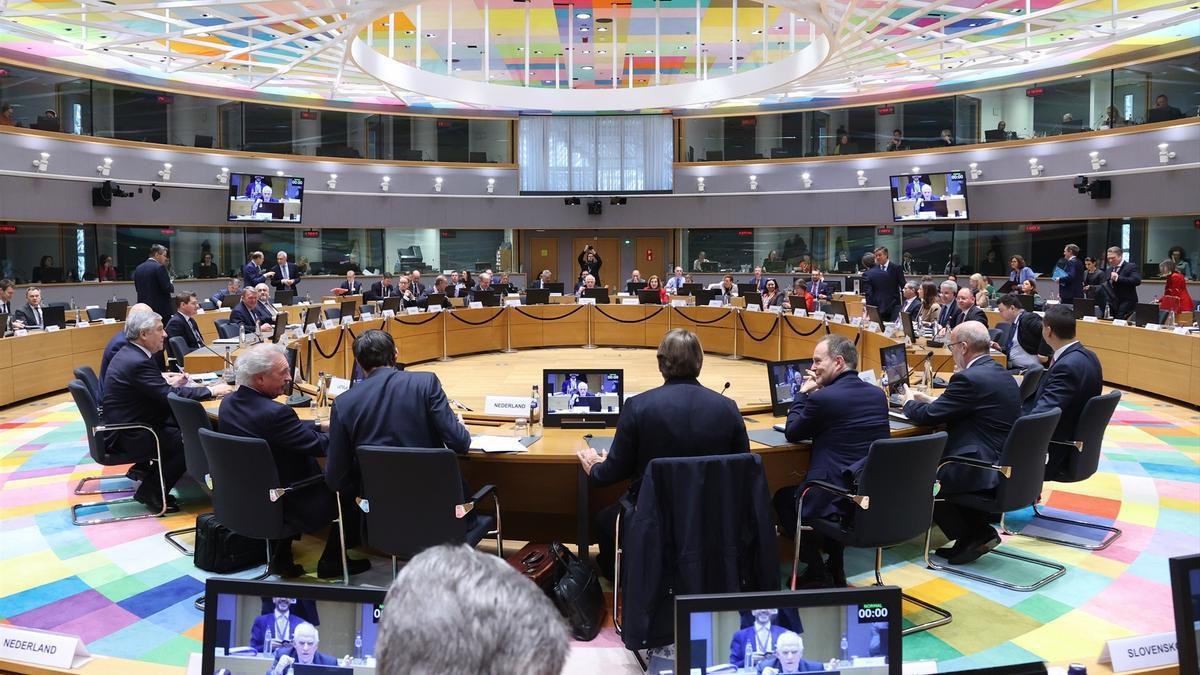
{"points": [[263, 375], [303, 651], [135, 392], [264, 301], [789, 657], [979, 406], [287, 275], [542, 280], [589, 281], [485, 284], [453, 609]]}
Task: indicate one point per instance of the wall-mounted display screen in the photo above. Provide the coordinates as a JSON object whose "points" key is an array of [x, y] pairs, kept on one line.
{"points": [[272, 199], [929, 196]]}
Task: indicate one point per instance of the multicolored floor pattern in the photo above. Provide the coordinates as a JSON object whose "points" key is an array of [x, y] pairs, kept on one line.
{"points": [[129, 594]]}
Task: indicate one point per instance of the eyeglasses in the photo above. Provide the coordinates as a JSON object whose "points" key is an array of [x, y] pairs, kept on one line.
{"points": [[951, 344]]}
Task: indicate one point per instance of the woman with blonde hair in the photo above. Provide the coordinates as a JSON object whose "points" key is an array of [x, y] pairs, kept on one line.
{"points": [[979, 288]]}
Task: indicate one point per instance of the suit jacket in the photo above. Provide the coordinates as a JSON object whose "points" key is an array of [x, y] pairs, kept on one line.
{"points": [[378, 292], [258, 631], [241, 314], [252, 275], [737, 646], [135, 391], [978, 407], [154, 287], [883, 289], [220, 295], [538, 283], [418, 289], [355, 290], [973, 314], [319, 658], [949, 315], [912, 307], [842, 420], [1029, 335], [1124, 289], [1071, 380], [1071, 285], [31, 318], [6, 308], [805, 666], [186, 328], [682, 418], [759, 285], [295, 446], [293, 273], [494, 289], [115, 343], [392, 408], [818, 288]]}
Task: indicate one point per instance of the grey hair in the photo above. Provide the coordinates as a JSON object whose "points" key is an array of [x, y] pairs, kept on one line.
{"points": [[258, 359], [157, 249], [454, 609], [308, 626], [137, 323], [840, 345], [948, 285], [974, 334], [913, 285], [680, 354]]}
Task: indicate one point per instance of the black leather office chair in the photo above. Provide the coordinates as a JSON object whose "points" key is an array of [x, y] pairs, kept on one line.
{"points": [[416, 501], [246, 489], [228, 329], [1030, 378], [178, 349], [207, 305], [96, 313], [893, 504], [1083, 458], [1021, 466], [100, 454], [87, 376], [217, 323], [191, 417]]}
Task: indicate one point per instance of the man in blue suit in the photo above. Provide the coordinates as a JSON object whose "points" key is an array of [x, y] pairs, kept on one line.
{"points": [[280, 625], [303, 652], [817, 287], [1070, 285], [946, 298], [152, 282], [389, 407], [1120, 288], [252, 271], [250, 312], [760, 637], [789, 658], [978, 407], [262, 375], [350, 285], [681, 418], [1073, 378], [842, 416], [883, 283], [233, 287], [117, 341], [183, 323], [135, 391]]}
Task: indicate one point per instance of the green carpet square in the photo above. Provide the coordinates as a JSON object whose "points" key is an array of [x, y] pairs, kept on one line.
{"points": [[1042, 608]]}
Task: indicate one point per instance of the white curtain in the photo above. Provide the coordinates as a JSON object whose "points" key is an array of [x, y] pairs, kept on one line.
{"points": [[626, 153]]}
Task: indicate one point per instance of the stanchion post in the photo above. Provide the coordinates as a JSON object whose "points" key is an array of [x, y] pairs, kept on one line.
{"points": [[445, 329], [509, 349], [589, 344], [733, 311]]}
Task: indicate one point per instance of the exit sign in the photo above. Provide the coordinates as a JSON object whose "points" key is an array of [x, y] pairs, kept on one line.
{"points": [[8, 229], [885, 231], [308, 115], [312, 234], [167, 232], [1030, 229], [886, 109], [1035, 91]]}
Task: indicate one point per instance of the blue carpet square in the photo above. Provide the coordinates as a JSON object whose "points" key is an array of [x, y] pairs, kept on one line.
{"points": [[156, 599], [41, 596]]}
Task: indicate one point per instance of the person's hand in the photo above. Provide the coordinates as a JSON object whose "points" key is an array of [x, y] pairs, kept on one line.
{"points": [[268, 274], [18, 324], [267, 328], [589, 458], [770, 671], [175, 379], [324, 424], [346, 661], [283, 664], [289, 282], [274, 644], [458, 414], [1114, 275], [220, 389], [995, 346], [810, 383], [832, 665]]}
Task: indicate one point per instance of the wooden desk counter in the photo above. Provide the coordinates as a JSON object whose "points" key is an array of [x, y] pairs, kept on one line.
{"points": [[42, 363]]}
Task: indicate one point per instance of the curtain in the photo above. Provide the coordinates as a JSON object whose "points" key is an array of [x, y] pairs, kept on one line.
{"points": [[614, 153]]}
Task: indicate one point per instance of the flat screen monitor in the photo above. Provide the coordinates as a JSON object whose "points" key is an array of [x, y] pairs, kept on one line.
{"points": [[834, 286], [689, 289], [279, 328], [839, 307], [909, 330], [116, 309], [582, 397], [285, 296], [312, 316], [1083, 307], [599, 294], [4, 321], [270, 199], [1185, 592], [486, 298], [1146, 312], [435, 299], [231, 300], [873, 315], [929, 196], [556, 287], [774, 266], [744, 289], [347, 307], [632, 287], [846, 267], [649, 297], [56, 315], [711, 631], [784, 379], [753, 298], [704, 296], [338, 614], [537, 296], [392, 303], [50, 275], [801, 302], [1026, 301], [894, 361]]}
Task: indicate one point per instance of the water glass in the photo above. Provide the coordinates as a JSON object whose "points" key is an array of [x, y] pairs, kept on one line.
{"points": [[520, 427]]}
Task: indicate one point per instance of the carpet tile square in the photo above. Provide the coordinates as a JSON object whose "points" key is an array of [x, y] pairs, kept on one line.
{"points": [[133, 641], [1041, 608], [160, 597], [95, 625], [47, 594], [1135, 604], [1073, 636], [47, 617], [179, 617], [173, 652]]}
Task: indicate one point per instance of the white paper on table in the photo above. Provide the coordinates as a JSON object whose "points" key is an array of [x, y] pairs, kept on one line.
{"points": [[488, 443]]}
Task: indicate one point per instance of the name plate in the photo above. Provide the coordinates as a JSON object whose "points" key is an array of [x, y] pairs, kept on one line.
{"points": [[475, 305], [338, 385], [586, 301], [412, 310], [799, 312], [509, 406], [855, 321], [715, 303], [1181, 330], [1090, 319], [556, 295], [106, 321], [774, 309], [838, 318], [434, 309], [678, 303], [630, 301], [389, 313], [753, 308], [1142, 651], [889, 331], [347, 320], [199, 310], [51, 329], [873, 327], [20, 332], [310, 329], [819, 316], [329, 323], [512, 302], [42, 648], [1120, 322], [1152, 326]]}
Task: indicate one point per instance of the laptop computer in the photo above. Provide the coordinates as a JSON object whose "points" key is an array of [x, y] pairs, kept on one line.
{"points": [[704, 296], [839, 307], [744, 289], [600, 294], [649, 297], [116, 309], [1026, 302], [556, 287], [231, 300], [781, 375], [312, 316], [392, 303], [994, 135], [873, 315], [285, 297], [280, 327], [432, 299], [537, 296], [1146, 312], [753, 298], [347, 308]]}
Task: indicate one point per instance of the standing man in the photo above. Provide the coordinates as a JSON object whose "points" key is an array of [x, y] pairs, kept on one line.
{"points": [[978, 407], [590, 262], [285, 275], [1121, 285], [153, 284], [183, 323], [1070, 284], [253, 273], [759, 281], [648, 429], [883, 282], [843, 416]]}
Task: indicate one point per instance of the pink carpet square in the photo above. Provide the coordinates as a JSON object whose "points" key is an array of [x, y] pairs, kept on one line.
{"points": [[1134, 539], [98, 624], [130, 530], [1139, 604]]}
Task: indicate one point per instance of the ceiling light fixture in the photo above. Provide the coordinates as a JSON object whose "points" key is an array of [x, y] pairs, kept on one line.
{"points": [[165, 172], [106, 168], [700, 184], [753, 183], [491, 185], [42, 162], [1164, 155]]}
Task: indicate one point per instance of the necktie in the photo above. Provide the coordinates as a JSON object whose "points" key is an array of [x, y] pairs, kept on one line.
{"points": [[1013, 338], [37, 311], [284, 269], [196, 331]]}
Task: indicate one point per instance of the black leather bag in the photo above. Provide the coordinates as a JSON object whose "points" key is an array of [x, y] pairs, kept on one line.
{"points": [[577, 593], [221, 550]]}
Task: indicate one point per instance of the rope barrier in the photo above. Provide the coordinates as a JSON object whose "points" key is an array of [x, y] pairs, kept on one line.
{"points": [[702, 323], [820, 326], [478, 323], [547, 318], [750, 335], [641, 320], [431, 317], [316, 343]]}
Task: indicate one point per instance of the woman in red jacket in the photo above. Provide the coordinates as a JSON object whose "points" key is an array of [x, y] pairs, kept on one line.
{"points": [[1175, 296], [655, 284]]}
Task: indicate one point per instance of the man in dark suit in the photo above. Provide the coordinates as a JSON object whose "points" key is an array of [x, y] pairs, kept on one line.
{"points": [[232, 288], [817, 287], [135, 391], [456, 289], [664, 422], [883, 283], [383, 288], [262, 375], [389, 407], [152, 282], [279, 625], [978, 407], [946, 298], [542, 280], [1073, 378], [183, 323], [250, 314], [414, 281], [485, 284], [117, 341], [253, 273], [350, 285], [967, 310], [303, 651], [912, 300], [1070, 285], [1120, 286], [841, 415], [1022, 344], [30, 316], [7, 290], [789, 658], [284, 275]]}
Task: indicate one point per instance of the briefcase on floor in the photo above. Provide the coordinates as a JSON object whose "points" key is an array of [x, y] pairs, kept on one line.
{"points": [[537, 563]]}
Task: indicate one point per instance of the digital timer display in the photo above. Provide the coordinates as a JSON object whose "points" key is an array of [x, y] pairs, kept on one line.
{"points": [[873, 612]]}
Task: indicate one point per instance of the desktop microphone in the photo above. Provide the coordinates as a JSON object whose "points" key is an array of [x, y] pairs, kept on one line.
{"points": [[460, 406], [727, 385], [227, 361]]}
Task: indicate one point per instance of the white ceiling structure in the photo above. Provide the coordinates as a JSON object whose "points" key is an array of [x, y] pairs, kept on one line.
{"points": [[588, 55]]}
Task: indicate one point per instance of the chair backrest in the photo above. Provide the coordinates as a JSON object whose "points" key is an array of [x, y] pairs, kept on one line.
{"points": [[87, 376], [333, 313], [898, 479], [191, 417], [1029, 381], [1025, 452], [1093, 421], [242, 472], [412, 494], [178, 348], [96, 313], [220, 322], [207, 304], [91, 419], [229, 330]]}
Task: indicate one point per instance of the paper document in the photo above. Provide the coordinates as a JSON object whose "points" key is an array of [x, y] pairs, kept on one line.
{"points": [[496, 444]]}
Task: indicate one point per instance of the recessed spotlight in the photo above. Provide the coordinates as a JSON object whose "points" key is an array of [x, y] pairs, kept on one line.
{"points": [[586, 67], [583, 15], [601, 29], [648, 51], [583, 29], [587, 51]]}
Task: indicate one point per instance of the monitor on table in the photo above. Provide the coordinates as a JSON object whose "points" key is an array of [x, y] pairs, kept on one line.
{"points": [[1083, 307], [487, 298], [747, 288], [116, 309], [846, 267], [56, 315], [312, 316], [893, 359], [704, 296], [1185, 592], [710, 631], [1146, 312], [338, 613], [907, 322], [582, 397], [537, 296], [753, 298], [556, 287], [279, 328], [1026, 302], [438, 299], [231, 300], [649, 297], [392, 303], [784, 379], [632, 287], [688, 289], [285, 297], [600, 295], [347, 308], [873, 315], [839, 307]]}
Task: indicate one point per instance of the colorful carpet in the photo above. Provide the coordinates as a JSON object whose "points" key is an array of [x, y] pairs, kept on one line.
{"points": [[129, 594]]}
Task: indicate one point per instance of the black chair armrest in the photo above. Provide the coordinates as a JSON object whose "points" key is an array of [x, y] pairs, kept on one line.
{"points": [[863, 501], [461, 510], [483, 492], [1068, 445], [275, 493], [1005, 471]]}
